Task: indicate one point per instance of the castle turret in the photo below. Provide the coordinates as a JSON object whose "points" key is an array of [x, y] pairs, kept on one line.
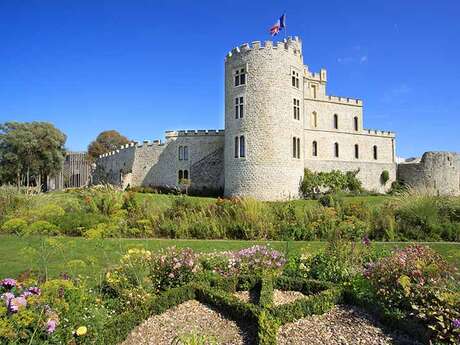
{"points": [[264, 144]]}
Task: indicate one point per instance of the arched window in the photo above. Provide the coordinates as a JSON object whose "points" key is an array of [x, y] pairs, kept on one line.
{"points": [[356, 151], [356, 123], [375, 152], [180, 175], [314, 119], [242, 146], [315, 149], [186, 174], [336, 150], [336, 121], [237, 147]]}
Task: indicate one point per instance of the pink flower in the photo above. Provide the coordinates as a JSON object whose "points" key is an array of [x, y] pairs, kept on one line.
{"points": [[17, 303], [7, 297], [35, 290], [51, 326]]}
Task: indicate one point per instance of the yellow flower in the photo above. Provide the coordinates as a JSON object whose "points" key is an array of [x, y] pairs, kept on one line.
{"points": [[81, 330]]}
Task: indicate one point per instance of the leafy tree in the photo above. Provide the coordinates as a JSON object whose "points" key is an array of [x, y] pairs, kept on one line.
{"points": [[30, 150], [334, 181], [106, 141]]}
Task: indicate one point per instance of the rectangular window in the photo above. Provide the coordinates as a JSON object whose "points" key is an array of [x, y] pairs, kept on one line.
{"points": [[239, 107], [294, 147], [298, 148], [237, 147], [185, 153], [181, 153], [295, 79], [296, 109], [313, 91], [240, 77]]}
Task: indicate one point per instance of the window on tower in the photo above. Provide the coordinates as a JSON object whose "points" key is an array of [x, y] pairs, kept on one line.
{"points": [[315, 149], [336, 121], [242, 147], [295, 79], [296, 109], [356, 151], [240, 76], [295, 147], [239, 107], [336, 150]]}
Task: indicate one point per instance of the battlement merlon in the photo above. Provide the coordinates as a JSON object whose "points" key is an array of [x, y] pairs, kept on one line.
{"points": [[194, 133], [291, 44]]}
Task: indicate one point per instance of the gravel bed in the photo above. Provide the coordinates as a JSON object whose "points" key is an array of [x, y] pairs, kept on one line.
{"points": [[340, 326], [191, 316]]}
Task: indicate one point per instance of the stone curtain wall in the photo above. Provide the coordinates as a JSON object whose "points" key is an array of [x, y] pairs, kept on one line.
{"points": [[436, 171], [155, 164]]}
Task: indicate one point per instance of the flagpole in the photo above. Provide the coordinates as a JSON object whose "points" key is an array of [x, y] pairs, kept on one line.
{"points": [[285, 25]]}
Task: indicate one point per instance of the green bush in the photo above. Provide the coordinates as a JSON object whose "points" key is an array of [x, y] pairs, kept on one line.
{"points": [[42, 227], [14, 226], [314, 183], [384, 177]]}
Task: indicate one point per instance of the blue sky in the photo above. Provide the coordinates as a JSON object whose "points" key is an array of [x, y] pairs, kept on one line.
{"points": [[142, 67]]}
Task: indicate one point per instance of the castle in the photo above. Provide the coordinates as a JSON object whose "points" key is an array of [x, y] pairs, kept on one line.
{"points": [[279, 120]]}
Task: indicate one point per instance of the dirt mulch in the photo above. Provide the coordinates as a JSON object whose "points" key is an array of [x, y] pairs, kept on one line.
{"points": [[188, 317], [340, 326]]}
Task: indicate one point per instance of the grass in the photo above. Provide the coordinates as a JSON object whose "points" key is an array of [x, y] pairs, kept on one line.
{"points": [[91, 257]]}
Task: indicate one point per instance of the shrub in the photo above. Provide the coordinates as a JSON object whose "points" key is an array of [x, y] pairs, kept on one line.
{"points": [[14, 226], [417, 281], [260, 260], [384, 177], [334, 181], [173, 267], [49, 212], [42, 227]]}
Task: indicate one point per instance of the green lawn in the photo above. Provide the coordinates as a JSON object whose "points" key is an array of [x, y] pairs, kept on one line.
{"points": [[91, 257]]}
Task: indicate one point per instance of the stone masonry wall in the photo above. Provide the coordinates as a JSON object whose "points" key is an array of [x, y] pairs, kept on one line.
{"points": [[436, 171]]}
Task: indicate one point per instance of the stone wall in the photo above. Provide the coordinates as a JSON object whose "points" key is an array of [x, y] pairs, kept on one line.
{"points": [[435, 171], [157, 163]]}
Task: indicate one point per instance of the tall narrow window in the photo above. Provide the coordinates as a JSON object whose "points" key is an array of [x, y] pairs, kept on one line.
{"points": [[356, 124], [295, 79], [356, 151], [314, 119], [336, 150], [242, 147], [296, 109], [237, 147], [180, 175], [181, 153], [336, 121], [239, 107], [313, 91], [185, 153], [315, 149], [186, 174], [240, 77], [298, 148], [294, 147], [375, 152]]}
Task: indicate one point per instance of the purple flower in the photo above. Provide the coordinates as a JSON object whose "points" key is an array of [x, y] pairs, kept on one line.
{"points": [[366, 241], [26, 294], [8, 283], [35, 290], [51, 326], [7, 297], [16, 303], [456, 323]]}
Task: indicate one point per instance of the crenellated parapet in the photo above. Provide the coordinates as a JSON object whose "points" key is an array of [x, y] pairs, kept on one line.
{"points": [[380, 133], [194, 133], [292, 45]]}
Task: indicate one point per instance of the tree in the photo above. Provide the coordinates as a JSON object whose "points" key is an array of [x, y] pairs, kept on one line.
{"points": [[30, 150], [105, 142]]}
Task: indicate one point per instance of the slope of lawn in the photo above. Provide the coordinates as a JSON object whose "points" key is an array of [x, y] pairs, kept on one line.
{"points": [[91, 257]]}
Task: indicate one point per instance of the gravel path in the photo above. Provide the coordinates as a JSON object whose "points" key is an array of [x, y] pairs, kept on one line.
{"points": [[341, 326], [191, 316]]}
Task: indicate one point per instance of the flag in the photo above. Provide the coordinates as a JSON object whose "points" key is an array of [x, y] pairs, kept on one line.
{"points": [[280, 24]]}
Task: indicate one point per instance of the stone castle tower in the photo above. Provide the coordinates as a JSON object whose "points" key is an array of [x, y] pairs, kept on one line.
{"points": [[272, 79]]}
